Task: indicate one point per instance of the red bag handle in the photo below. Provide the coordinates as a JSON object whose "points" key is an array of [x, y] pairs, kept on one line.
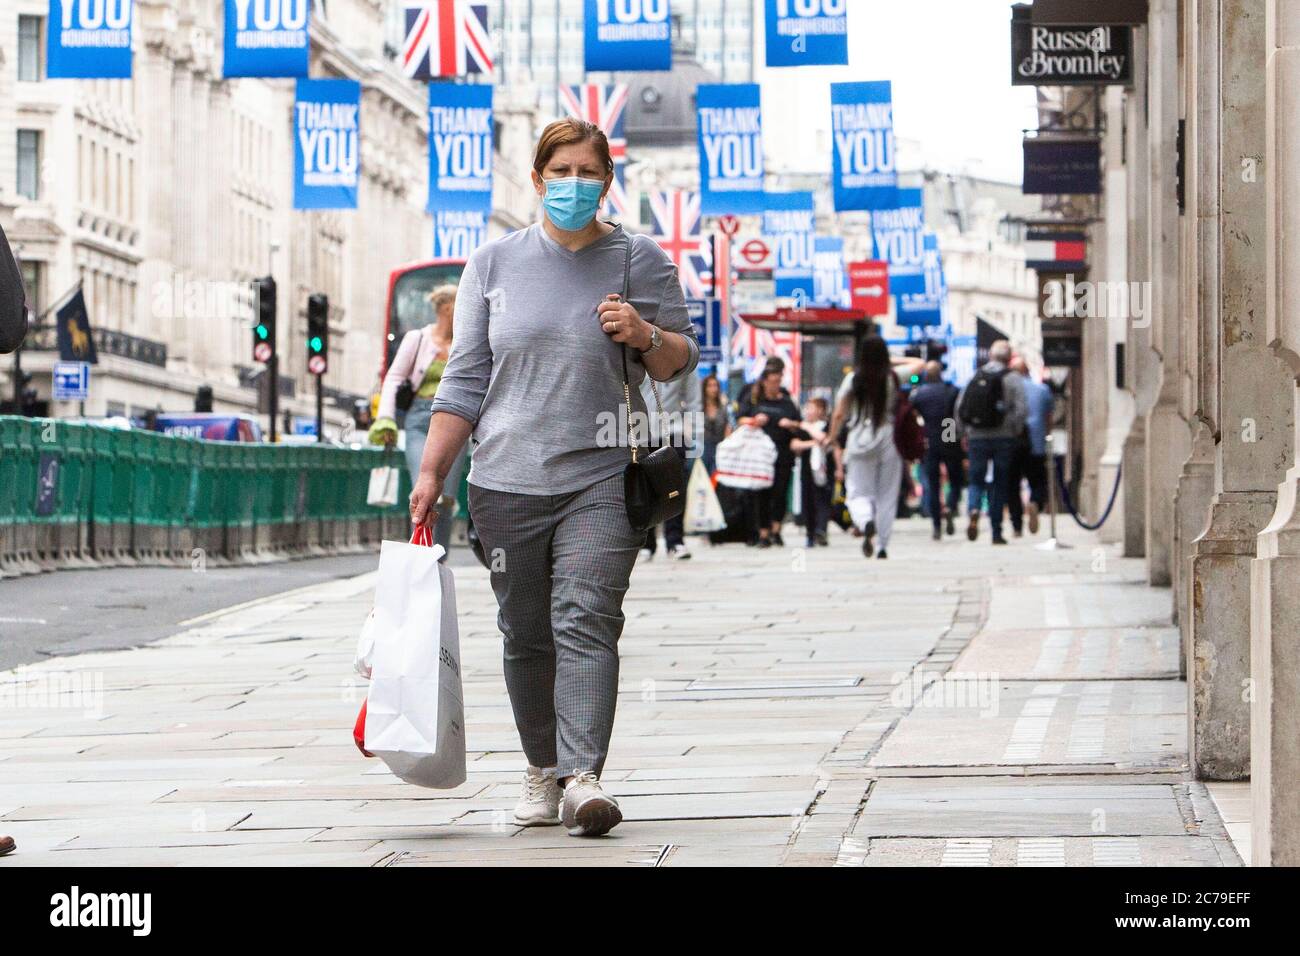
{"points": [[422, 535]]}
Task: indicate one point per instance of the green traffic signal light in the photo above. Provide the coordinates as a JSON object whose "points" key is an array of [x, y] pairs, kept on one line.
{"points": [[314, 343], [916, 379], [261, 332]]}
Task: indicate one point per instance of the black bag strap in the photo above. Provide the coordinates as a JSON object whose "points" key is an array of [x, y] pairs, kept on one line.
{"points": [[627, 390]]}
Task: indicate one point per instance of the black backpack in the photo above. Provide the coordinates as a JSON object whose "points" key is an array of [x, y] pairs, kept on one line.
{"points": [[982, 405], [13, 301]]}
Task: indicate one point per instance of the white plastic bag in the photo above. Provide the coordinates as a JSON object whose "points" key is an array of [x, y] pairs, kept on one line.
{"points": [[746, 459], [703, 512], [415, 716], [383, 487], [363, 662]]}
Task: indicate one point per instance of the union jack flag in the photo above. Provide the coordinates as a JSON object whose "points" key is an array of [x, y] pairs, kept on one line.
{"points": [[677, 230], [446, 38], [751, 348], [604, 106]]}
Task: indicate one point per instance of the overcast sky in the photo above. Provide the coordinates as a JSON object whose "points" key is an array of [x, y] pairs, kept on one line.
{"points": [[954, 106]]}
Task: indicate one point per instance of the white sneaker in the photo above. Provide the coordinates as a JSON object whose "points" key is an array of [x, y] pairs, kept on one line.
{"points": [[589, 810], [647, 554], [679, 552], [539, 804]]}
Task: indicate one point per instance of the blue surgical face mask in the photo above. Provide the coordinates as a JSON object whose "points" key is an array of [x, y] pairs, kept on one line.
{"points": [[571, 203]]}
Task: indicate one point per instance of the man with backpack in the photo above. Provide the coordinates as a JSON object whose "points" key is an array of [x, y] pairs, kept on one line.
{"points": [[993, 410]]}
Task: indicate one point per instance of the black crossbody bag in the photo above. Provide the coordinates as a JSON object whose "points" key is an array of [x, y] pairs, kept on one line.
{"points": [[654, 483]]}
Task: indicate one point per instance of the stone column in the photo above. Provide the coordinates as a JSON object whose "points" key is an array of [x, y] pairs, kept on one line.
{"points": [[1199, 276], [1275, 597], [1168, 440], [1142, 375], [1254, 407]]}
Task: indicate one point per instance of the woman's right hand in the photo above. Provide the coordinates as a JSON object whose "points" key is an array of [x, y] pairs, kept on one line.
{"points": [[424, 500]]}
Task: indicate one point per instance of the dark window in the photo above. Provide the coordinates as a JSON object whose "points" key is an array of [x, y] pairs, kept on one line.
{"points": [[30, 49], [29, 163]]}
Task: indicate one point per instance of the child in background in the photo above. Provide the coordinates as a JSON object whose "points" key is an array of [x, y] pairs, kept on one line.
{"points": [[816, 480]]}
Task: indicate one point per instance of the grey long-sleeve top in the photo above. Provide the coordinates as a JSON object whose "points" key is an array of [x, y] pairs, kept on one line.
{"points": [[531, 369]]}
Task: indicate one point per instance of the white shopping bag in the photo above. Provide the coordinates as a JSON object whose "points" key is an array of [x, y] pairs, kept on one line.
{"points": [[383, 487], [363, 661], [415, 717], [703, 512], [746, 459]]}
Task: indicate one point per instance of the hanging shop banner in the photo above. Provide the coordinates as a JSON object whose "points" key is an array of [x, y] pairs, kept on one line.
{"points": [[807, 32], [446, 38], [458, 232], [627, 35], [72, 329], [925, 309], [1045, 55], [830, 280], [89, 39], [788, 223], [731, 149], [706, 314], [1062, 167], [266, 38], [460, 147], [1050, 251], [869, 286], [862, 128], [327, 144], [898, 237]]}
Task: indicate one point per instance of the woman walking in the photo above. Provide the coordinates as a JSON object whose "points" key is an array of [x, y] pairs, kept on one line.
{"points": [[536, 373], [869, 464], [717, 420], [419, 364], [768, 405]]}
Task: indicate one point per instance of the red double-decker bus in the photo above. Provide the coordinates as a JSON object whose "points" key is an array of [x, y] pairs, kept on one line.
{"points": [[408, 300]]}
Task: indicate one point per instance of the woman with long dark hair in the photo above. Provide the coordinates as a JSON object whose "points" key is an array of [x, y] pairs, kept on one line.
{"points": [[537, 374], [868, 462], [717, 420]]}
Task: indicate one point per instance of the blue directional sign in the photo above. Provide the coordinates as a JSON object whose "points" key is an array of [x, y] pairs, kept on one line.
{"points": [[707, 316], [71, 381]]}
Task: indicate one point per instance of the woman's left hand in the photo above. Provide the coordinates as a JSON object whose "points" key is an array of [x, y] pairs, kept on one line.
{"points": [[622, 323]]}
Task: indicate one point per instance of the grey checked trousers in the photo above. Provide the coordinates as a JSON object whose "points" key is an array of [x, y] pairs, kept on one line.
{"points": [[560, 568]]}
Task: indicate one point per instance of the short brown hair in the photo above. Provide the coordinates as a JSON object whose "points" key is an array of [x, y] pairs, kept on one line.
{"points": [[567, 132]]}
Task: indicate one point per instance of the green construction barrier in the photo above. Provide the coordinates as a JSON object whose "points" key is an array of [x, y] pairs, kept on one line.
{"points": [[75, 490]]}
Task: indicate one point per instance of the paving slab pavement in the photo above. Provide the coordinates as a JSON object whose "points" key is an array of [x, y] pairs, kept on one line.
{"points": [[954, 705]]}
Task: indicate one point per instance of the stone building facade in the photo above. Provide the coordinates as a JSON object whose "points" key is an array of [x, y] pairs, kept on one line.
{"points": [[164, 195]]}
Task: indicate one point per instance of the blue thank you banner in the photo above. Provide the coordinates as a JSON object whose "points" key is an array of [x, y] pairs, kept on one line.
{"points": [[266, 38], [460, 146], [458, 232], [807, 32], [89, 39], [830, 279], [862, 132], [898, 237], [925, 308], [627, 35], [327, 144], [788, 221], [731, 148]]}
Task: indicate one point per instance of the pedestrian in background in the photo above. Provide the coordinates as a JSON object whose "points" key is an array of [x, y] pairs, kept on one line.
{"points": [[717, 419], [936, 401], [993, 411], [767, 404], [1031, 455], [869, 464], [417, 371], [683, 411], [543, 328], [816, 472]]}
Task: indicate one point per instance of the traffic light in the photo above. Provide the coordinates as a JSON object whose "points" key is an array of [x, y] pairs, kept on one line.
{"points": [[264, 329], [318, 333]]}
